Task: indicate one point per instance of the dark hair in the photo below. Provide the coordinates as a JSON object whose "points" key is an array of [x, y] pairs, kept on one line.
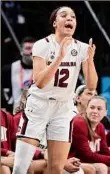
{"points": [[53, 17], [91, 132], [27, 39], [82, 90], [79, 94]]}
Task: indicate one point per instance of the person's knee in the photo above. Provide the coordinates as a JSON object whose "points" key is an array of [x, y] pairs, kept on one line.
{"points": [[89, 169], [101, 168]]}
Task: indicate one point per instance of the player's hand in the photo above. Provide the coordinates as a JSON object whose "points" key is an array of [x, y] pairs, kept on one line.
{"points": [[72, 165], [10, 153], [91, 51], [65, 42], [7, 161]]}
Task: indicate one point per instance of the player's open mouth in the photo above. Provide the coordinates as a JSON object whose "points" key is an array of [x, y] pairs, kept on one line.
{"points": [[68, 26]]}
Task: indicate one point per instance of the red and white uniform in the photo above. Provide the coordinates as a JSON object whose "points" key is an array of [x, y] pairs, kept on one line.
{"points": [[8, 132], [62, 86], [84, 148], [50, 108]]}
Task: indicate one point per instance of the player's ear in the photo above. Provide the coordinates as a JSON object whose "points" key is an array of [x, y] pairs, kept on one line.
{"points": [[54, 24], [78, 99]]}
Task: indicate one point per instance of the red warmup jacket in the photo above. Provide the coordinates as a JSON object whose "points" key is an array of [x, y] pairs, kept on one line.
{"points": [[8, 132], [17, 117], [83, 148]]}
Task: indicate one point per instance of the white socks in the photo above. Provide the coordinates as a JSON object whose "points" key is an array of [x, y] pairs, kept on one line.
{"points": [[23, 157]]}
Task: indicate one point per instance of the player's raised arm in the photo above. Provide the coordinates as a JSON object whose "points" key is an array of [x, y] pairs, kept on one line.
{"points": [[88, 67]]}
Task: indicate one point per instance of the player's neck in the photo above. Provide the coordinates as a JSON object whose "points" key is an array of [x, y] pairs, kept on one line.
{"points": [[93, 126], [59, 38]]}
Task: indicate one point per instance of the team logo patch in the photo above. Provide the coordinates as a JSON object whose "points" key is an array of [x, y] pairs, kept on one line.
{"points": [[52, 55], [74, 52]]}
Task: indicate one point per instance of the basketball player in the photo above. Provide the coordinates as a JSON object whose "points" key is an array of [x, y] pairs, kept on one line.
{"points": [[56, 64]]}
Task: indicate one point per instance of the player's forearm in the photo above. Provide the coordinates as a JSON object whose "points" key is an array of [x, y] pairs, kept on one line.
{"points": [[92, 78], [46, 75]]}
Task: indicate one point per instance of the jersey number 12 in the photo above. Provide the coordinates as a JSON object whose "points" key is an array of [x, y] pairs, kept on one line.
{"points": [[60, 81]]}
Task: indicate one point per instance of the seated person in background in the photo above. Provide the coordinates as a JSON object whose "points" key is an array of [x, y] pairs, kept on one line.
{"points": [[89, 137], [8, 133], [82, 96], [8, 136]]}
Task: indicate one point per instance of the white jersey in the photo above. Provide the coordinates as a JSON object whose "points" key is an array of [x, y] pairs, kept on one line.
{"points": [[63, 84]]}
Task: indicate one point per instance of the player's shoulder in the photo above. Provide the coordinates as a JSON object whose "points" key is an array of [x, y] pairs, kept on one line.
{"points": [[79, 121], [5, 114], [100, 126], [80, 43], [44, 41], [80, 125]]}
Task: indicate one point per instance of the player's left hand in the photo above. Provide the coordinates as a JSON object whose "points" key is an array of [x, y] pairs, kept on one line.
{"points": [[91, 53], [7, 161]]}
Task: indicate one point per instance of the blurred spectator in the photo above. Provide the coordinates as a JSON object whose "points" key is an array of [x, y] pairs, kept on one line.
{"points": [[19, 75], [89, 143], [8, 133], [82, 96], [8, 137]]}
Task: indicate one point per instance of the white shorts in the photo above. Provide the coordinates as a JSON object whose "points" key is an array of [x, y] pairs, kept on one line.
{"points": [[50, 116]]}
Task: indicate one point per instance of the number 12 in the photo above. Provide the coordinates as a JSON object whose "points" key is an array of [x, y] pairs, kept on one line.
{"points": [[60, 82]]}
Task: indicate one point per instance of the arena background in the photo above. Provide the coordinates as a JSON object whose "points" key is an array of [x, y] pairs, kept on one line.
{"points": [[31, 18]]}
